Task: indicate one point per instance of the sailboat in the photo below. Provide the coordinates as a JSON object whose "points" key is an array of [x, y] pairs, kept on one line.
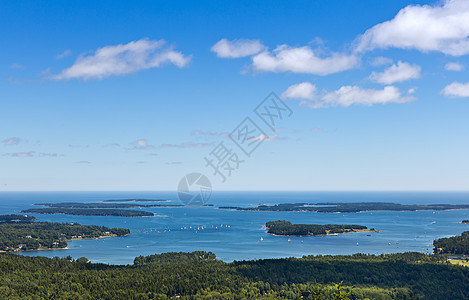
{"points": [[262, 239]]}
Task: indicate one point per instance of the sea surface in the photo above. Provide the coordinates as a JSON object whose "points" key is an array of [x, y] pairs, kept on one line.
{"points": [[236, 235]]}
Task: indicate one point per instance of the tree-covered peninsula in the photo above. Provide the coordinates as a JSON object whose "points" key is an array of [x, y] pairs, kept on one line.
{"points": [[90, 212], [22, 236], [453, 245]]}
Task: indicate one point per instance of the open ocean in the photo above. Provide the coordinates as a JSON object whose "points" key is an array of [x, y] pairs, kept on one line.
{"points": [[235, 235]]}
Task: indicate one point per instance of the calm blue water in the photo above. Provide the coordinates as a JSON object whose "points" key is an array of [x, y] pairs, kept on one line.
{"points": [[235, 235]]}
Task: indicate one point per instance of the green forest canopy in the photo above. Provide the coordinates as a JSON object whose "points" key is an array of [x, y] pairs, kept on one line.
{"points": [[199, 275]]}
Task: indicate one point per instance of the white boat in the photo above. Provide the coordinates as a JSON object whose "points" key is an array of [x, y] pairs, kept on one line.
{"points": [[289, 240], [262, 239]]}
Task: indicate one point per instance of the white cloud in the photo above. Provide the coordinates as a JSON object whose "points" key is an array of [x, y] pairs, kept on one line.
{"points": [[237, 48], [349, 95], [454, 66], [11, 141], [302, 60], [123, 59], [443, 28], [304, 90], [456, 89], [397, 73]]}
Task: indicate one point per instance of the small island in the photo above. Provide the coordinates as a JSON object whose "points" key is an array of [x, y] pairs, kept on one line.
{"points": [[90, 212], [286, 228], [28, 235], [465, 222], [355, 207]]}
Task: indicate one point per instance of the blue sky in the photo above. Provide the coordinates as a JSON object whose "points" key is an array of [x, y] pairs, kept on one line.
{"points": [[132, 96]]}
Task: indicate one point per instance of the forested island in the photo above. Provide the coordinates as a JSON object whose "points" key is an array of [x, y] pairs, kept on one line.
{"points": [[107, 205], [347, 207], [90, 212], [199, 275], [103, 205], [453, 245], [135, 200], [286, 228], [465, 222], [29, 235]]}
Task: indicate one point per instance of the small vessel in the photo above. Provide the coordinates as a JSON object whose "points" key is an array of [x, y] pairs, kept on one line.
{"points": [[289, 240], [357, 243], [262, 239]]}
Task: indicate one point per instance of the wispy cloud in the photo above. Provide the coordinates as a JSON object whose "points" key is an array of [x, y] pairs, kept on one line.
{"points": [[456, 89], [112, 145], [442, 27], [11, 141], [186, 145], [266, 138], [32, 154], [84, 162], [123, 59], [454, 66], [237, 48], [208, 133], [17, 66], [399, 72], [174, 163], [64, 54], [20, 154], [380, 61], [141, 144]]}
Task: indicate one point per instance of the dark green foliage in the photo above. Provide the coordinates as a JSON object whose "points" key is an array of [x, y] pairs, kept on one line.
{"points": [[453, 245], [16, 218], [465, 221], [175, 258], [347, 207], [35, 235], [90, 212], [287, 228], [199, 275]]}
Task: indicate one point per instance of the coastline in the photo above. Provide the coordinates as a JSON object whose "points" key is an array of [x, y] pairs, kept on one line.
{"points": [[65, 248]]}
